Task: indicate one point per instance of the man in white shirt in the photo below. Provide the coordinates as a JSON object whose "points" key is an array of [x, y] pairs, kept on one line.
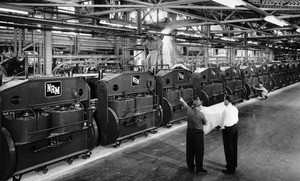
{"points": [[230, 134]]}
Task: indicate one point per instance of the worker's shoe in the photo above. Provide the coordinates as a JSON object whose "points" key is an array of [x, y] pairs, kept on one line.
{"points": [[229, 172], [202, 172]]}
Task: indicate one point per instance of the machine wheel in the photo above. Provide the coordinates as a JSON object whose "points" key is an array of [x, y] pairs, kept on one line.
{"points": [[112, 133], [228, 90], [167, 111], [248, 90], [3, 71], [271, 84], [8, 155], [159, 116], [244, 92], [204, 97], [95, 131]]}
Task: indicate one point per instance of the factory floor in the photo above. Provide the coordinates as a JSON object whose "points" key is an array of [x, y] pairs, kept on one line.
{"points": [[268, 149]]}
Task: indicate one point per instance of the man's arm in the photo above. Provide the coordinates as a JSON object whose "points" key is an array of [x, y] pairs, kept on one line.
{"points": [[204, 121], [184, 103], [256, 88]]}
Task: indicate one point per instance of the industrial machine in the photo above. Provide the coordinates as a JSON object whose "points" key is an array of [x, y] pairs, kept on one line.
{"points": [[126, 106], [265, 78], [44, 120], [170, 85], [250, 78], [208, 85], [233, 83], [292, 71], [296, 71], [275, 75], [284, 73]]}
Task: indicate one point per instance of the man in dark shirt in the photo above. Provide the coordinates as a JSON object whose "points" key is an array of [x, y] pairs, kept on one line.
{"points": [[194, 136]]}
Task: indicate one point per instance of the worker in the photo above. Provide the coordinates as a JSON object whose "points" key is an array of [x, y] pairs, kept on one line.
{"points": [[263, 92], [194, 136]]}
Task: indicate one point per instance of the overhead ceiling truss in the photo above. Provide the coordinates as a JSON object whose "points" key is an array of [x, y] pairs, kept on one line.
{"points": [[249, 19]]}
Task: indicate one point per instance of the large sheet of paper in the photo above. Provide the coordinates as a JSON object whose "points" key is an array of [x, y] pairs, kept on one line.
{"points": [[213, 115]]}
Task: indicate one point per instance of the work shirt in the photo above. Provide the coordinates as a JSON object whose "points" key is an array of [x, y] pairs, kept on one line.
{"points": [[230, 116], [264, 90], [195, 119]]}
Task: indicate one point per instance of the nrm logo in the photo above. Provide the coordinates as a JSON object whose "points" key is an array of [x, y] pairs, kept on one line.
{"points": [[53, 89]]}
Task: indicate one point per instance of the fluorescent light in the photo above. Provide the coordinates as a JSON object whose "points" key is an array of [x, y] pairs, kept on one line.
{"points": [[187, 33], [298, 30], [231, 3], [13, 11], [276, 21], [228, 39], [111, 24]]}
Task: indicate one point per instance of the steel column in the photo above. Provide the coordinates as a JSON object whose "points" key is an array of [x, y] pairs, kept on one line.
{"points": [[47, 52]]}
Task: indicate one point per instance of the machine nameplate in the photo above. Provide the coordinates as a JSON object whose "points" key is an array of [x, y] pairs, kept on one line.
{"points": [[135, 80], [180, 75], [53, 89]]}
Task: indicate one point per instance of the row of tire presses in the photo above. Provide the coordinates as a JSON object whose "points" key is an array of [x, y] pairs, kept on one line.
{"points": [[49, 119], [213, 83], [45, 120]]}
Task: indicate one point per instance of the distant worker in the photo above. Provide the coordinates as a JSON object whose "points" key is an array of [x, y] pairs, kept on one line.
{"points": [[154, 45], [194, 136], [263, 92]]}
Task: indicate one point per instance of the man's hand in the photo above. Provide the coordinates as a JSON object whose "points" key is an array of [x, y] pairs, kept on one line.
{"points": [[180, 99]]}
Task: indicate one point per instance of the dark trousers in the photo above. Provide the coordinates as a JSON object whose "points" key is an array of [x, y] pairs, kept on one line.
{"points": [[230, 141], [194, 149]]}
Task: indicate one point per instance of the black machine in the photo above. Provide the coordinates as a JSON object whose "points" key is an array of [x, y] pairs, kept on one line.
{"points": [[43, 121], [275, 75], [126, 106], [233, 83], [208, 85], [265, 77], [294, 72], [285, 74], [250, 77], [170, 85]]}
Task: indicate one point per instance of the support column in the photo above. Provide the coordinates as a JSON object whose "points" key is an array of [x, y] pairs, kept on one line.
{"points": [[207, 46], [20, 42], [47, 52], [76, 43], [232, 55], [126, 53], [246, 57], [139, 22], [15, 42]]}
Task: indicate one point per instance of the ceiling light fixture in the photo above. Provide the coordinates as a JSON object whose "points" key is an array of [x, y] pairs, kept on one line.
{"points": [[276, 21], [228, 39], [13, 11], [231, 3], [298, 30]]}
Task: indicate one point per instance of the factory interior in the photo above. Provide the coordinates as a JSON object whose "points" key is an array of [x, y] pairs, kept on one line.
{"points": [[90, 89]]}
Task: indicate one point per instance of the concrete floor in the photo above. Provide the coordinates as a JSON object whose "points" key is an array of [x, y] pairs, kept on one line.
{"points": [[269, 149]]}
